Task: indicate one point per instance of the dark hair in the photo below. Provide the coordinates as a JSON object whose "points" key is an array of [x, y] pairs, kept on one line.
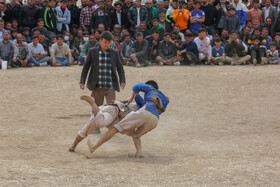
{"points": [[34, 37], [187, 34], [59, 36], [126, 35], [201, 30], [85, 33], [277, 34], [273, 44], [196, 2], [156, 32], [106, 35], [255, 38], [233, 31], [99, 31], [75, 26], [155, 20], [152, 83], [218, 39], [268, 18], [215, 32], [117, 3], [174, 32], [166, 34], [40, 19]]}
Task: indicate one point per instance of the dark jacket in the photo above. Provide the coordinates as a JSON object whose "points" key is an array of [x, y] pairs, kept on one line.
{"points": [[12, 12], [132, 16], [50, 19], [106, 19], [140, 50], [232, 47], [166, 51], [75, 15], [92, 64], [114, 20], [28, 16]]}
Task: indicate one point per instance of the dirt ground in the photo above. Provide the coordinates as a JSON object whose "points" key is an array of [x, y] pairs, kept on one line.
{"points": [[221, 128]]}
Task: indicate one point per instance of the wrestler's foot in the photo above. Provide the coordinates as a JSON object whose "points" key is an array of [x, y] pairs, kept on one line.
{"points": [[88, 99], [136, 155], [90, 146], [72, 148]]}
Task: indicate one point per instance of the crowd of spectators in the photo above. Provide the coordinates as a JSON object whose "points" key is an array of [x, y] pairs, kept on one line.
{"points": [[214, 32]]}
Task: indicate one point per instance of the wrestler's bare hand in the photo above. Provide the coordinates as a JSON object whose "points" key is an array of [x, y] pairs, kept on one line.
{"points": [[82, 86]]}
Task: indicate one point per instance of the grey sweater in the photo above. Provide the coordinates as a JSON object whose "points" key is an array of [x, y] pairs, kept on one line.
{"points": [[232, 23], [8, 50]]}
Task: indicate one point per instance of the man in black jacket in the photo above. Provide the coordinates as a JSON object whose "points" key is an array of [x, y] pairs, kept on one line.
{"points": [[103, 63], [50, 18], [29, 14], [12, 11], [101, 16], [118, 16]]}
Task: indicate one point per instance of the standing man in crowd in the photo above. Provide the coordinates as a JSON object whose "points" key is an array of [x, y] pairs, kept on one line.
{"points": [[136, 15], [86, 15], [103, 63], [50, 18], [29, 14]]}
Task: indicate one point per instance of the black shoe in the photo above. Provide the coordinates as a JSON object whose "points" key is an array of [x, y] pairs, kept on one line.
{"points": [[192, 64], [14, 66]]}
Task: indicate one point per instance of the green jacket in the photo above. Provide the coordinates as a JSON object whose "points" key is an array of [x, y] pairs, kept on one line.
{"points": [[232, 47], [86, 47], [75, 44]]}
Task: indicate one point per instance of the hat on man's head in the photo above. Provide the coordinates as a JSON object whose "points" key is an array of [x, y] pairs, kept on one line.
{"points": [[117, 26]]}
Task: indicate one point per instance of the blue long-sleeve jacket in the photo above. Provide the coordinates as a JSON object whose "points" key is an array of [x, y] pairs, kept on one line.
{"points": [[192, 47], [150, 93]]}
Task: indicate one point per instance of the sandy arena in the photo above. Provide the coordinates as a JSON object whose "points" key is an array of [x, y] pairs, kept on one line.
{"points": [[221, 128]]}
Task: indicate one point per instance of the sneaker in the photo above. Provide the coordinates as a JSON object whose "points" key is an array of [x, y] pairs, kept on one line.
{"points": [[30, 65], [137, 64], [264, 61], [212, 64], [233, 63], [255, 62], [160, 63], [221, 63], [177, 63], [44, 64], [14, 66]]}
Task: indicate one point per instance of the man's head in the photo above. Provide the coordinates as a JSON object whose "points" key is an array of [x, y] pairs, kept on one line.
{"points": [[124, 31], [63, 3], [161, 17], [218, 42], [166, 3], [85, 36], [224, 33], [2, 24], [246, 30], [89, 3], [6, 35], [265, 32], [101, 27], [40, 23], [105, 40], [176, 28], [53, 39], [143, 26], [215, 34], [14, 33], [66, 35], [234, 34], [127, 2], [117, 28], [118, 6], [166, 37], [36, 32], [202, 33], [232, 11], [257, 32], [101, 4], [155, 35], [236, 1], [204, 2], [52, 3], [138, 3], [109, 3], [139, 37], [256, 4], [59, 39], [31, 3], [97, 34], [35, 40], [175, 4], [42, 37], [188, 37], [277, 37], [127, 38], [268, 21], [267, 3], [196, 5], [92, 39], [19, 38], [155, 23], [152, 83], [14, 23], [149, 3]]}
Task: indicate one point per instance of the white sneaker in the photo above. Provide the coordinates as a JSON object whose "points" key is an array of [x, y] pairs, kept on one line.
{"points": [[137, 65], [44, 64], [160, 63], [177, 63]]}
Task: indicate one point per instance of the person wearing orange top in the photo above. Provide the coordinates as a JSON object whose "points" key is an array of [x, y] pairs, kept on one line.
{"points": [[181, 17]]}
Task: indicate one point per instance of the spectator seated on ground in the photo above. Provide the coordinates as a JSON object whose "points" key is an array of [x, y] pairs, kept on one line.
{"points": [[23, 52], [272, 54], [218, 53], [139, 51], [235, 50], [89, 44], [38, 55], [203, 45], [258, 51], [167, 52], [8, 51], [125, 48], [188, 51], [153, 43], [60, 53]]}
